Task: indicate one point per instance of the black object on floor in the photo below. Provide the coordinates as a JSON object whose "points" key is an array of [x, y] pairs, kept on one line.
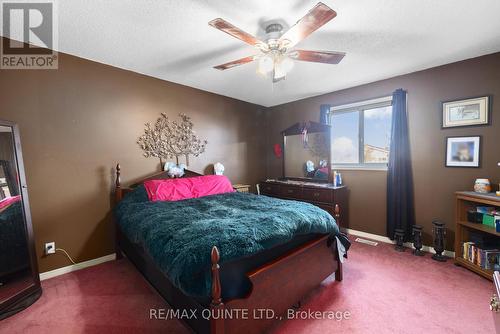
{"points": [[417, 240], [439, 231], [399, 235]]}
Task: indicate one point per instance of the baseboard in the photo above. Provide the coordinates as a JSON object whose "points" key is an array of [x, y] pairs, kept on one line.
{"points": [[75, 267], [111, 257], [381, 238]]}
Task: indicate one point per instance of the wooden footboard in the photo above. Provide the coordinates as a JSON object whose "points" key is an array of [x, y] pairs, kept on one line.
{"points": [[276, 286]]}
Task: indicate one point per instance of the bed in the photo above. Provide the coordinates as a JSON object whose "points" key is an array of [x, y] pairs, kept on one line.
{"points": [[272, 253]]}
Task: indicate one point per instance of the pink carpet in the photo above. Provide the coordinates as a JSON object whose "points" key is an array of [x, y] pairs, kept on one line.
{"points": [[384, 292]]}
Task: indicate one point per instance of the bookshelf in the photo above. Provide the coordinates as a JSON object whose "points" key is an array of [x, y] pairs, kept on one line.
{"points": [[467, 200]]}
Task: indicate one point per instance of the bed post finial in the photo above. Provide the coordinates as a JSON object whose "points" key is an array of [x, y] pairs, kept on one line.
{"points": [[216, 322], [118, 197], [118, 180], [338, 273], [118, 184], [216, 288]]}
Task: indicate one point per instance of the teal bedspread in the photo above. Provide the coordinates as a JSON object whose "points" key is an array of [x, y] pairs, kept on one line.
{"points": [[179, 235]]}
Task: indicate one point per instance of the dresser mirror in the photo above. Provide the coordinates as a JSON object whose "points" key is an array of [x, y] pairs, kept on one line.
{"points": [[306, 152], [19, 280]]}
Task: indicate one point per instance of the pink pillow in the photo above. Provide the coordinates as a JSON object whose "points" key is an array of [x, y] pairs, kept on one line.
{"points": [[185, 188], [8, 201]]}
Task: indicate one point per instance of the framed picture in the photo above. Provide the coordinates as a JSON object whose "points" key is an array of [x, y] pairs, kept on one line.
{"points": [[474, 111], [463, 151]]}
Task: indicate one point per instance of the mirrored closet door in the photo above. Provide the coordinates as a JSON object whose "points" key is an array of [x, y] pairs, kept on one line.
{"points": [[19, 280]]}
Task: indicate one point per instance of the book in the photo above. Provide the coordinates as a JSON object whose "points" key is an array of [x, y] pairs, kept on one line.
{"points": [[466, 250], [484, 258], [492, 259]]}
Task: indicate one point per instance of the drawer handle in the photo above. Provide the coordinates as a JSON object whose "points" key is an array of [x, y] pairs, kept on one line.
{"points": [[316, 194], [494, 303], [290, 191]]}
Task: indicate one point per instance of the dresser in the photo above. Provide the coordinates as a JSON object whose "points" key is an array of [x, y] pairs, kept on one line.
{"points": [[323, 195]]}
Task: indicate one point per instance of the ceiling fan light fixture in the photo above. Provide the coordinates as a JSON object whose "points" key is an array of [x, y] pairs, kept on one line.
{"points": [[286, 64], [266, 64], [279, 72]]}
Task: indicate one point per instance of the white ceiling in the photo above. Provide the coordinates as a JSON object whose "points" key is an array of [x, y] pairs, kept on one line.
{"points": [[171, 40]]}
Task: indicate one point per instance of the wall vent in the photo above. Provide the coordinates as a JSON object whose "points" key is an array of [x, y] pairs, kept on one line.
{"points": [[365, 241]]}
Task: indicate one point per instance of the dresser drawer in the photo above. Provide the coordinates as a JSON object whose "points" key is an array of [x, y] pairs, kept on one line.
{"points": [[330, 210], [270, 189], [327, 208], [291, 192], [319, 195]]}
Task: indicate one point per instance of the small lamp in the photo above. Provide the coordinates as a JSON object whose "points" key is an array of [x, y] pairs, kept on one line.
{"points": [[219, 168]]}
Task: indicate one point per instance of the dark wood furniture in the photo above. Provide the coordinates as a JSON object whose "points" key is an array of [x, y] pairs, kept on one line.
{"points": [[322, 193], [19, 278], [467, 200], [325, 196], [276, 285]]}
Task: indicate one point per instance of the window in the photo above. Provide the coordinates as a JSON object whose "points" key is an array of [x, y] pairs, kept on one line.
{"points": [[361, 133]]}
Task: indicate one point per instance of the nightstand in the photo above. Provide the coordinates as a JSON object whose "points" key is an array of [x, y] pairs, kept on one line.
{"points": [[241, 188]]}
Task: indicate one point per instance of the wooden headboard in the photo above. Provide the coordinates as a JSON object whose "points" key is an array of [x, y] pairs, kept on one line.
{"points": [[121, 191]]}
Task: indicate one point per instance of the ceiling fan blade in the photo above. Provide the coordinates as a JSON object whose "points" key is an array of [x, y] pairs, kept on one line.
{"points": [[234, 63], [325, 57], [228, 28], [314, 19]]}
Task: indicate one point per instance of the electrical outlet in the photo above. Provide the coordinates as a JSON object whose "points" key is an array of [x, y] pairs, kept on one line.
{"points": [[50, 248]]}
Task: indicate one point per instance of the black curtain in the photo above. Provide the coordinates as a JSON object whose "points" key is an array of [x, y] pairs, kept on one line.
{"points": [[10, 177], [324, 112], [400, 208]]}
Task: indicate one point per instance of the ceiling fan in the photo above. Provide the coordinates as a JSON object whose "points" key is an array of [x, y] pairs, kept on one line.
{"points": [[276, 52]]}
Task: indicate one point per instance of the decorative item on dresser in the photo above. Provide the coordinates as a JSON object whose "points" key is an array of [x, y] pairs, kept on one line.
{"points": [[303, 143], [19, 279], [476, 239]]}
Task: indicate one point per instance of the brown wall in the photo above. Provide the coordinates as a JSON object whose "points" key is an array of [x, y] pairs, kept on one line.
{"points": [[434, 183], [78, 121]]}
